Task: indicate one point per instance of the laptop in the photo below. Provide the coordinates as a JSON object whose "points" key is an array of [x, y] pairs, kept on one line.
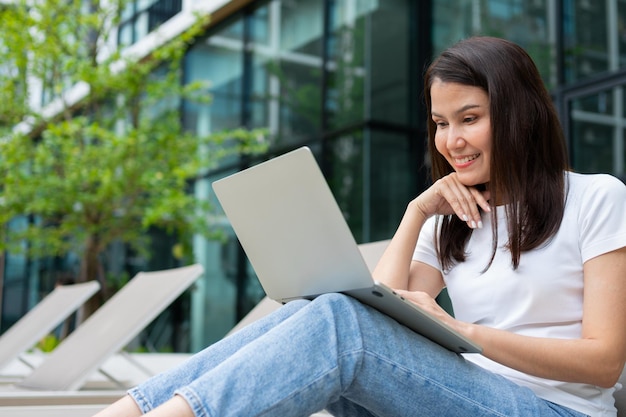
{"points": [[300, 246]]}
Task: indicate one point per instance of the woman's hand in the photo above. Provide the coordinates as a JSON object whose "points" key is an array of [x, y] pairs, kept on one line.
{"points": [[449, 196], [446, 196], [428, 304]]}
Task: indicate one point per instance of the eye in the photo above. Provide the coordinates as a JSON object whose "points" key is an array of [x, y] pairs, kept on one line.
{"points": [[440, 124], [469, 119]]}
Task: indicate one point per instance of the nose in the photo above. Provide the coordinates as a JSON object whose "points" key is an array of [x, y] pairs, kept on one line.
{"points": [[455, 137]]}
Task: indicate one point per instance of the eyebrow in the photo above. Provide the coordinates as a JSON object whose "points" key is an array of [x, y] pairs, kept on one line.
{"points": [[461, 110]]}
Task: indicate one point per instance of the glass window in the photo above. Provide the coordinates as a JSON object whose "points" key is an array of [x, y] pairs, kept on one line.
{"points": [[217, 61], [368, 62], [140, 17], [527, 23], [585, 39], [597, 132], [287, 62], [346, 66], [453, 20], [594, 37], [592, 147], [392, 175], [15, 291], [261, 107], [387, 63], [372, 175], [346, 161]]}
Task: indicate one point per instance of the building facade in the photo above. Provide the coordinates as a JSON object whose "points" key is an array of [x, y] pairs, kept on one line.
{"points": [[344, 77]]}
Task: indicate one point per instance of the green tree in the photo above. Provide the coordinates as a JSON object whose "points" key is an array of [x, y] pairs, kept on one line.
{"points": [[115, 161]]}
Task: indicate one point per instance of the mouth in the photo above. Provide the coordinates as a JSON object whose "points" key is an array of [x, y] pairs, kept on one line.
{"points": [[466, 159]]}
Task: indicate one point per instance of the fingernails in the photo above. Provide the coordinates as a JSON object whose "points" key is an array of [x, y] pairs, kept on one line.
{"points": [[472, 223], [475, 225]]}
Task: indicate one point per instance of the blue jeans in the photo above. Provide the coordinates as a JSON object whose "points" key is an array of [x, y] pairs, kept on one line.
{"points": [[335, 353]]}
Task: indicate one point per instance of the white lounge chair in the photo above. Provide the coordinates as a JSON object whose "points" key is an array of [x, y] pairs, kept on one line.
{"points": [[60, 375], [42, 319], [51, 410], [21, 403]]}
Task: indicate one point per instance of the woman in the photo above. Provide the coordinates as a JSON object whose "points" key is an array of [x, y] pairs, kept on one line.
{"points": [[517, 240]]}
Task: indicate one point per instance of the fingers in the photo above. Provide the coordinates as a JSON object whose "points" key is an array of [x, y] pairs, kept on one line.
{"points": [[425, 301], [464, 201], [481, 198]]}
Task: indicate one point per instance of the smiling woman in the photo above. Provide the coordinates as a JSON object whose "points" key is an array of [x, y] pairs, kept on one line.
{"points": [[500, 182], [526, 149]]}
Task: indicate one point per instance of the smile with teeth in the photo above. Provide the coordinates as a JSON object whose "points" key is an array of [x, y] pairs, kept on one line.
{"points": [[466, 159]]}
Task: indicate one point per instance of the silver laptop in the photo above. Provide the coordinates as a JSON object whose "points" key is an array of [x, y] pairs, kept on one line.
{"points": [[300, 246]]}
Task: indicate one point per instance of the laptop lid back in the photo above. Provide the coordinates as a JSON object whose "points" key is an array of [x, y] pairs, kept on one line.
{"points": [[292, 229]]}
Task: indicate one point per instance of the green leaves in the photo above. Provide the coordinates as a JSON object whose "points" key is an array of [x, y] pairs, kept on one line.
{"points": [[113, 164]]}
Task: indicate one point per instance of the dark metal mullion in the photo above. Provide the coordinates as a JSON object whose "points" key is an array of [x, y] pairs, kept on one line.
{"points": [[246, 80], [27, 270], [325, 164], [596, 84], [560, 43], [562, 105], [133, 20], [420, 30], [241, 277]]}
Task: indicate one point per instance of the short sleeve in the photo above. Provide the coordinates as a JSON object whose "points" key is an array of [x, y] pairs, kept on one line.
{"points": [[602, 217], [425, 250]]}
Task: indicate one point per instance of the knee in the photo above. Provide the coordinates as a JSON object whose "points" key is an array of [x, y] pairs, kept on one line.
{"points": [[293, 306], [338, 317], [338, 302]]}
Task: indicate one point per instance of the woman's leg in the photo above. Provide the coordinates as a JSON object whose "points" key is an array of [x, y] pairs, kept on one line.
{"points": [[335, 351], [124, 407], [161, 387]]}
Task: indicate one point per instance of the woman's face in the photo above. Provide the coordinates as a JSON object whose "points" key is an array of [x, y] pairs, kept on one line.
{"points": [[463, 135]]}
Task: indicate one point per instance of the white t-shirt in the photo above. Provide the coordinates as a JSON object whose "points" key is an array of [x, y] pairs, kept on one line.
{"points": [[544, 296]]}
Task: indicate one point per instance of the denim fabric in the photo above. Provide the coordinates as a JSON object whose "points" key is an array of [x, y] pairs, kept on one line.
{"points": [[335, 353]]}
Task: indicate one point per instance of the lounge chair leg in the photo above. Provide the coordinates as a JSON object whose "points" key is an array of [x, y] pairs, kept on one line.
{"points": [[137, 364], [111, 378]]}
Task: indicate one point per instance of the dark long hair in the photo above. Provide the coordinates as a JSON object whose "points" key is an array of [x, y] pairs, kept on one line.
{"points": [[528, 154]]}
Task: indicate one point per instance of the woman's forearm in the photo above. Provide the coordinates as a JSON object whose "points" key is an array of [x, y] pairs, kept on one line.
{"points": [[393, 267], [589, 361]]}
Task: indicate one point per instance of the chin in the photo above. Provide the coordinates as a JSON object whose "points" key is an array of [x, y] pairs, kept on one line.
{"points": [[471, 177], [471, 182]]}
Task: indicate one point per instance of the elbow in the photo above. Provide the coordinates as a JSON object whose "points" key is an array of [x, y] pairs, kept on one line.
{"points": [[605, 365], [610, 374]]}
